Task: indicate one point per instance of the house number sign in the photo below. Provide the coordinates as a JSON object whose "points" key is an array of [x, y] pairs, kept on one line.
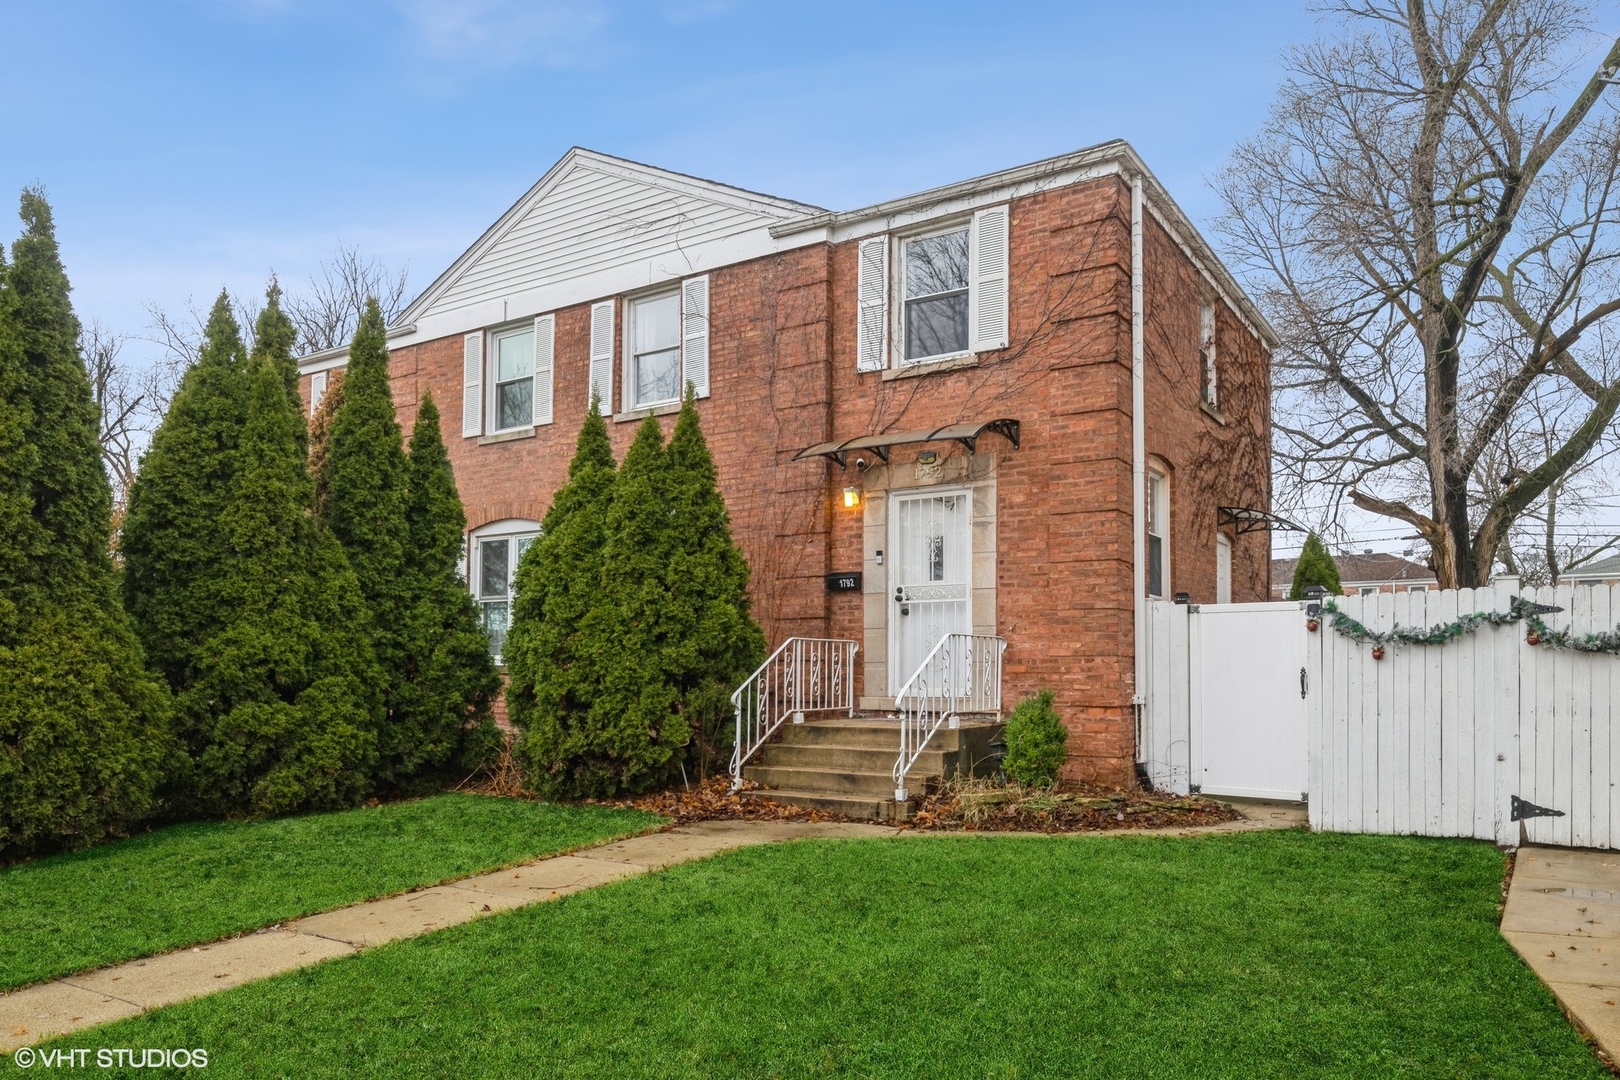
{"points": [[844, 582]]}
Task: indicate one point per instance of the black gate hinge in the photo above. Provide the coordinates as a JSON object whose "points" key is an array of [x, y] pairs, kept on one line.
{"points": [[1519, 810]]}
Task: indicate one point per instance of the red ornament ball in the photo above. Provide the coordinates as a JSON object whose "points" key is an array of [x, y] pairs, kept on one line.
{"points": [[1311, 625], [1378, 652], [1532, 638]]}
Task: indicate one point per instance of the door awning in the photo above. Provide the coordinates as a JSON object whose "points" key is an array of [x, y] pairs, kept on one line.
{"points": [[967, 434], [1246, 520]]}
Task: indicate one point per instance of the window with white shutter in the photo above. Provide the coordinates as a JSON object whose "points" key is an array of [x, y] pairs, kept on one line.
{"points": [[695, 335], [472, 385], [602, 354], [545, 355], [317, 390], [872, 317], [987, 300]]}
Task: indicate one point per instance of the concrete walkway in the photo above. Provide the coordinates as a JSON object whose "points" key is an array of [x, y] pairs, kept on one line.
{"points": [[46, 1010], [1563, 917]]}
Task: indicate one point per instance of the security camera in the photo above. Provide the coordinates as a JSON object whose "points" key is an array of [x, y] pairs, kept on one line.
{"points": [[860, 463]]}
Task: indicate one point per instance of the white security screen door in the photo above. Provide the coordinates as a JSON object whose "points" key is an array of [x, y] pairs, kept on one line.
{"points": [[930, 564]]}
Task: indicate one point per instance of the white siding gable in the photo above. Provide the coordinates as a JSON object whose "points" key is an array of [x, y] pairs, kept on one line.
{"points": [[593, 227]]}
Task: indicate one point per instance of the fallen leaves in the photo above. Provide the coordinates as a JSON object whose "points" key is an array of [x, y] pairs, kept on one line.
{"points": [[713, 800], [988, 806]]}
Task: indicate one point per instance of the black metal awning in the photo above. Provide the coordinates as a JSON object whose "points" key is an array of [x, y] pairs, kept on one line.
{"points": [[1246, 520], [967, 434]]}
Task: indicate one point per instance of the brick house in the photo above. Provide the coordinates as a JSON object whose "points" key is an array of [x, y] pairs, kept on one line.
{"points": [[945, 379]]}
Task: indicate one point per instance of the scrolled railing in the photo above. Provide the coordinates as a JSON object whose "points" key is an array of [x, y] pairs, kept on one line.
{"points": [[961, 675], [803, 675]]}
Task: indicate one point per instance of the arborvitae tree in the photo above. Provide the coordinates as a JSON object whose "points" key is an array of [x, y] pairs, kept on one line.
{"points": [[1315, 567], [554, 668], [274, 337], [83, 728], [710, 642], [176, 554], [636, 732], [284, 712], [450, 680]]}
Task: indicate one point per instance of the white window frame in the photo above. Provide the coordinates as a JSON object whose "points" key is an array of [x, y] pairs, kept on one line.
{"points": [[631, 390], [1368, 590], [492, 393], [519, 533], [897, 289], [1156, 524], [1223, 555]]}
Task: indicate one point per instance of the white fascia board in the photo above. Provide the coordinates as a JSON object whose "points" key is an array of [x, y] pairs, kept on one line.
{"points": [[666, 269], [338, 356]]}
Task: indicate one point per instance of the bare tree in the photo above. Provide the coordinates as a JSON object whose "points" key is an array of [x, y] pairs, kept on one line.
{"points": [[132, 401], [1429, 216], [328, 312]]}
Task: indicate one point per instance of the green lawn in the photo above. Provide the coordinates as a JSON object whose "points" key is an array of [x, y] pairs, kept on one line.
{"points": [[1273, 954], [195, 883]]}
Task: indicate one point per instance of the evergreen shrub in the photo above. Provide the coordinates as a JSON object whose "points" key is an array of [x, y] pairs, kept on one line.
{"points": [[1315, 567], [1037, 742]]}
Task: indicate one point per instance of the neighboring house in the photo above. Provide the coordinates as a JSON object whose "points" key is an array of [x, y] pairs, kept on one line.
{"points": [[1364, 574], [1602, 572], [921, 411]]}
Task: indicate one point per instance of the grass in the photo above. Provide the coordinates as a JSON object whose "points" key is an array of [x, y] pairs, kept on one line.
{"points": [[194, 883], [1258, 955]]}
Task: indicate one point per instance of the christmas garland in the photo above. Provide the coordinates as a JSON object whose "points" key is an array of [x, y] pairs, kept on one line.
{"points": [[1537, 632]]}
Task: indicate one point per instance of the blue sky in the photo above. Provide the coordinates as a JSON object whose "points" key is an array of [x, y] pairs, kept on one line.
{"points": [[189, 145]]}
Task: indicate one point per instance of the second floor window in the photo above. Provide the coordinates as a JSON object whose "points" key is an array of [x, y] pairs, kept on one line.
{"points": [[936, 300], [655, 350], [514, 379], [1206, 351]]}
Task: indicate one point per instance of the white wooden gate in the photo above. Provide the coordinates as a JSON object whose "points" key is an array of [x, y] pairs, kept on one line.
{"points": [[1225, 714], [1432, 740]]}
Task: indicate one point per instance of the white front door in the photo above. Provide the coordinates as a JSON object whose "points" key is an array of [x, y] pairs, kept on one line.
{"points": [[930, 570]]}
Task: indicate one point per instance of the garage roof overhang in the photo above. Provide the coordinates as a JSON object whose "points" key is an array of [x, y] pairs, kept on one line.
{"points": [[967, 434]]}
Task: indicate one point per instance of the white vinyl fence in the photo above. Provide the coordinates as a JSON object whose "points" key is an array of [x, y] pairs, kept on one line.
{"points": [[1433, 740]]}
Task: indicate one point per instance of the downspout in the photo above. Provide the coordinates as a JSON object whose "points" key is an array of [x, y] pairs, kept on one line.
{"points": [[1138, 471]]}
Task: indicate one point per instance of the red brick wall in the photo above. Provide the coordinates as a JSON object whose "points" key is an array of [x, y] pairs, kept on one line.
{"points": [[782, 372]]}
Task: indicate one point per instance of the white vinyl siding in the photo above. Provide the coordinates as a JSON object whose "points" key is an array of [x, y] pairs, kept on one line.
{"points": [[695, 335], [987, 303], [591, 223], [545, 356], [601, 375], [872, 318], [472, 385]]}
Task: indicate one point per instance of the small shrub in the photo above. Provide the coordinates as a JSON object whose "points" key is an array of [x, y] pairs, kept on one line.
{"points": [[1037, 742]]}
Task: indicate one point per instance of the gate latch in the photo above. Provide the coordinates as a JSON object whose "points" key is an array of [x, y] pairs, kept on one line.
{"points": [[1302, 684], [1519, 810]]}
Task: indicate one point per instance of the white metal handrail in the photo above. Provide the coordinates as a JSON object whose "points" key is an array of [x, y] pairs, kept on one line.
{"points": [[803, 675], [961, 674]]}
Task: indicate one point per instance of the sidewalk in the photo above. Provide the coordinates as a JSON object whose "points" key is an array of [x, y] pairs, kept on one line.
{"points": [[1563, 917], [46, 1010]]}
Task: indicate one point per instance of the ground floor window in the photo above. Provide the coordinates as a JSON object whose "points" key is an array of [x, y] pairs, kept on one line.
{"points": [[1158, 529], [495, 551]]}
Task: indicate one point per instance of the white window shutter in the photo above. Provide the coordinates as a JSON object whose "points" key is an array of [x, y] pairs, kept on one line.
{"points": [[872, 345], [602, 354], [987, 282], [317, 390], [695, 335], [472, 385], [545, 355]]}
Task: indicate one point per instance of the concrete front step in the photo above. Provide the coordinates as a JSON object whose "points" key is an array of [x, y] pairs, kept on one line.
{"points": [[932, 762], [831, 781], [853, 806]]}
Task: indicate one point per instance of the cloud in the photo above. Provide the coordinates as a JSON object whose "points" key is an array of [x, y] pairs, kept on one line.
{"points": [[505, 32]]}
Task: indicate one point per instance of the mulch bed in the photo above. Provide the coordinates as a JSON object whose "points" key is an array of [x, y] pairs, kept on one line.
{"points": [[982, 806]]}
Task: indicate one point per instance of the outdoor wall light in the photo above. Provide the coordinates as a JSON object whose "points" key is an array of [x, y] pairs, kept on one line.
{"points": [[852, 497], [927, 457]]}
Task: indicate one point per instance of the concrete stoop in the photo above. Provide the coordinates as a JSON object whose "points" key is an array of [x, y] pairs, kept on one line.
{"points": [[846, 766]]}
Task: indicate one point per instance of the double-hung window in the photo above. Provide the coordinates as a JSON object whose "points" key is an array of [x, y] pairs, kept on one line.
{"points": [[655, 350], [935, 272], [496, 550], [512, 395], [1158, 530], [1206, 352]]}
